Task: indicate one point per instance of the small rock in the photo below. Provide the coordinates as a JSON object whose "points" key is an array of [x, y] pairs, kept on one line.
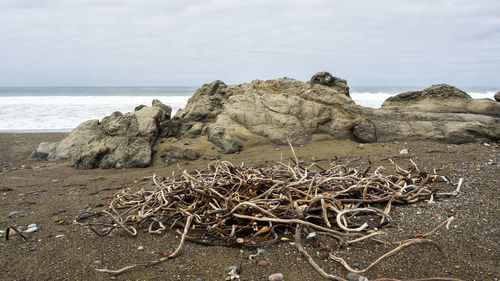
{"points": [[351, 276], [261, 252], [32, 225], [486, 144], [311, 235], [31, 229], [140, 248], [276, 277], [14, 213], [403, 151], [200, 279], [98, 262], [60, 235], [497, 96], [232, 268], [263, 263], [361, 145], [278, 149]]}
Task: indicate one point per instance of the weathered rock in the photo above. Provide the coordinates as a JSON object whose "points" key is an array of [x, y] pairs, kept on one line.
{"points": [[206, 103], [45, 151], [139, 107], [173, 152], [497, 96], [165, 108], [119, 141], [326, 79], [442, 98], [364, 131]]}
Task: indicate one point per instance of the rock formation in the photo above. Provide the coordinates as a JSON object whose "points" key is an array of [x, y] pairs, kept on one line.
{"points": [[497, 96], [442, 98], [280, 111], [118, 141]]}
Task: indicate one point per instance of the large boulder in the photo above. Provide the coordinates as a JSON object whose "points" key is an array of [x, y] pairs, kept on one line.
{"points": [[118, 141], [281, 110], [442, 98]]}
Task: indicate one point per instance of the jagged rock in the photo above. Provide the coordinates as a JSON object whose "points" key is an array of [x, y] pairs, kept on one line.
{"points": [[118, 141], [442, 98], [206, 103], [139, 107], [326, 79], [497, 96], [165, 108]]}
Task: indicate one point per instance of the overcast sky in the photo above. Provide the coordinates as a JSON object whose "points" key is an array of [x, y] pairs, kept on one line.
{"points": [[162, 42]]}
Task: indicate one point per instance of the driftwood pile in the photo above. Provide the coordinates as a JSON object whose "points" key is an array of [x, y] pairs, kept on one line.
{"points": [[254, 207]]}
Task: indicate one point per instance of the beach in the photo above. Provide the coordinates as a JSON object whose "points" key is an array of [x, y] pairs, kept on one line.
{"points": [[52, 194]]}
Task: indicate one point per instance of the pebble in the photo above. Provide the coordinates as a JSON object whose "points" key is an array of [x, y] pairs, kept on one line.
{"points": [[261, 252], [403, 151], [140, 248], [32, 225], [263, 263], [278, 149], [31, 229], [232, 268], [361, 145], [487, 144], [311, 235], [200, 279], [14, 213], [60, 235], [351, 276], [276, 277]]}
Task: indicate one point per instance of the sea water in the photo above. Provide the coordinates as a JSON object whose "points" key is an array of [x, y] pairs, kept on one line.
{"points": [[61, 109]]}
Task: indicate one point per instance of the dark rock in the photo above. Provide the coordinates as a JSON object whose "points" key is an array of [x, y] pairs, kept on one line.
{"points": [[139, 107], [364, 131], [173, 152], [326, 79], [190, 154], [497, 96]]}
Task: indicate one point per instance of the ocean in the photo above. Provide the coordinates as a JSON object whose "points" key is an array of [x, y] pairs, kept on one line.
{"points": [[61, 109]]}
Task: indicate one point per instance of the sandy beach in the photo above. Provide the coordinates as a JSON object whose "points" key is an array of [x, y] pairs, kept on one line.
{"points": [[51, 195]]}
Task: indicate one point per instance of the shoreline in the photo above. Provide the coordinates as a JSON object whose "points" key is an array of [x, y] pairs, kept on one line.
{"points": [[50, 192]]}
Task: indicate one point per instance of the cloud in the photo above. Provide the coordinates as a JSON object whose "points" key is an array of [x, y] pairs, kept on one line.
{"points": [[193, 42]]}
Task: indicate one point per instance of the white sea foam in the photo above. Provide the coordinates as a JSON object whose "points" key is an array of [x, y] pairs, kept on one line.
{"points": [[30, 113], [368, 99], [63, 113]]}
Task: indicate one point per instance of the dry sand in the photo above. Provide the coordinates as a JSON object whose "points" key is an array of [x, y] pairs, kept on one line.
{"points": [[47, 193]]}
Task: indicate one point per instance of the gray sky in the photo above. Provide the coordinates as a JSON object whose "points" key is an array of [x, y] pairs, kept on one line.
{"points": [[139, 42]]}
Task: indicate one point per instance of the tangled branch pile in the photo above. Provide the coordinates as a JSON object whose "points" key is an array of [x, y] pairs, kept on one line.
{"points": [[254, 207]]}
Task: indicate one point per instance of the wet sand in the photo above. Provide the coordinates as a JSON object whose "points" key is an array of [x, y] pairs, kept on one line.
{"points": [[50, 192]]}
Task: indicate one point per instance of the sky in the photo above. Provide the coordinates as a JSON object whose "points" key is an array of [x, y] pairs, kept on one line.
{"points": [[171, 43]]}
